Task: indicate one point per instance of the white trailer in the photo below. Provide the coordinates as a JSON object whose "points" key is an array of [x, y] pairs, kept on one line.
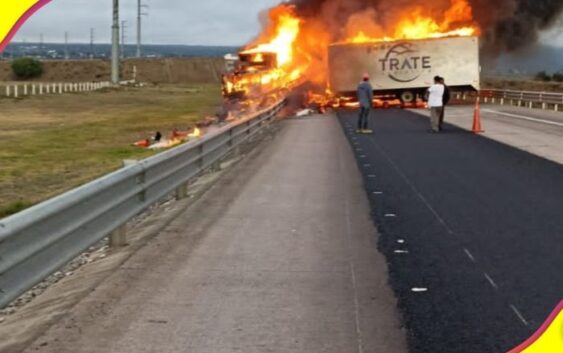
{"points": [[405, 68]]}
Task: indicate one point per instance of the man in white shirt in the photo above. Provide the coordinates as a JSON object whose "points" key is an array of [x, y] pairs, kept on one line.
{"points": [[436, 103]]}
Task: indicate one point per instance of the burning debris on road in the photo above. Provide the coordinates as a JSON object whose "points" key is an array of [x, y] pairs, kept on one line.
{"points": [[293, 47]]}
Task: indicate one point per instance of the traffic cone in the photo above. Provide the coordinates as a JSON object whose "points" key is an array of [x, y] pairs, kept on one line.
{"points": [[477, 119]]}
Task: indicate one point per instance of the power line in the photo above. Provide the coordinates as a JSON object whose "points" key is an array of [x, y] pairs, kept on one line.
{"points": [[92, 48], [67, 54], [115, 44], [123, 37]]}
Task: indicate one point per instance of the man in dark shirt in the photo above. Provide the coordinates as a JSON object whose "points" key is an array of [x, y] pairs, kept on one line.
{"points": [[446, 100], [365, 98]]}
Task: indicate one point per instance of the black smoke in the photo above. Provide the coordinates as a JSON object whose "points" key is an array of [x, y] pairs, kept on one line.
{"points": [[506, 25], [518, 25]]}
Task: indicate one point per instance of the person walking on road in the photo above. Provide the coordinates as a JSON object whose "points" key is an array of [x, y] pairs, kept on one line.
{"points": [[365, 97], [446, 100], [436, 103]]}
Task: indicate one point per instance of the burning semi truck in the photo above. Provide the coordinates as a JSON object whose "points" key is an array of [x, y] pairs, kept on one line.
{"points": [[398, 69], [404, 69]]}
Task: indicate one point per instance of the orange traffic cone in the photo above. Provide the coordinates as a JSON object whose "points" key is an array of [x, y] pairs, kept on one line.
{"points": [[477, 119]]}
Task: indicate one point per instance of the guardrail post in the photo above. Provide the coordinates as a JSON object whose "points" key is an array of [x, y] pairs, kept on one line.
{"points": [[543, 106], [16, 91], [182, 191], [25, 89], [8, 93], [556, 107], [118, 237], [33, 88]]}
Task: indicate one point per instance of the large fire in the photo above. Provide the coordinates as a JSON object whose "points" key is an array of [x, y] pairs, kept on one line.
{"points": [[300, 45]]}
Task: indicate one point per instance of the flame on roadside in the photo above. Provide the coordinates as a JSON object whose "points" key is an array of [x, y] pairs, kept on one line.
{"points": [[195, 134]]}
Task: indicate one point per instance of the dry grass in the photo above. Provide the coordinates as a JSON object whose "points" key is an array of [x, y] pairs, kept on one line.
{"points": [[51, 144]]}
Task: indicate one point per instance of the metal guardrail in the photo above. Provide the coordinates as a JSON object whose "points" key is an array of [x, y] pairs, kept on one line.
{"points": [[38, 241], [530, 99]]}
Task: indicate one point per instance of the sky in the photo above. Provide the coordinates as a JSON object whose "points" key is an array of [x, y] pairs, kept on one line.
{"points": [[192, 22]]}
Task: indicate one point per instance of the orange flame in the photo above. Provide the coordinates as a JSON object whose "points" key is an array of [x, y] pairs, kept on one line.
{"points": [[415, 23], [284, 36], [301, 45]]}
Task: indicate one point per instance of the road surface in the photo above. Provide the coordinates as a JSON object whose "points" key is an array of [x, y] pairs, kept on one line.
{"points": [[279, 256], [471, 227], [539, 132]]}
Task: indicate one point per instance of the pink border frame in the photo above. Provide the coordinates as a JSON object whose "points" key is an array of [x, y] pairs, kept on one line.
{"points": [[527, 344], [39, 4]]}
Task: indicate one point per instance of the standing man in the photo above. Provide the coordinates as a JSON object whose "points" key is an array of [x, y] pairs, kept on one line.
{"points": [[365, 97], [446, 100], [436, 103]]}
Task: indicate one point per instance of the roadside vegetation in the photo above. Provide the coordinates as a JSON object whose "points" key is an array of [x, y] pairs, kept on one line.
{"points": [[51, 144], [538, 83], [26, 68]]}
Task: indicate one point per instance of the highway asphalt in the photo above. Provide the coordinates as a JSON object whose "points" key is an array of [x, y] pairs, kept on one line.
{"points": [[471, 228], [280, 255], [539, 132]]}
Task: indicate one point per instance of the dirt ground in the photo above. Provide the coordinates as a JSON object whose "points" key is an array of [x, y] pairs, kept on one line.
{"points": [[51, 144]]}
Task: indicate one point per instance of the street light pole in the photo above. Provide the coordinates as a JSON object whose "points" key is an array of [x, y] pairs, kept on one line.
{"points": [[115, 44]]}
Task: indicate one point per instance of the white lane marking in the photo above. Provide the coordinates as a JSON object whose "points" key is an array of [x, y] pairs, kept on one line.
{"points": [[419, 290], [400, 241], [363, 156], [390, 215], [469, 255], [523, 117], [520, 316], [493, 283], [414, 189], [378, 192], [371, 176], [401, 251]]}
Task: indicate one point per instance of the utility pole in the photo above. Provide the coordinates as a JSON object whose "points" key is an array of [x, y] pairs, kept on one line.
{"points": [[67, 56], [123, 36], [115, 44], [140, 14], [92, 50]]}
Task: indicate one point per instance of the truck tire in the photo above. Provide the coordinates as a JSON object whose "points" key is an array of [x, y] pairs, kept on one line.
{"points": [[407, 97]]}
